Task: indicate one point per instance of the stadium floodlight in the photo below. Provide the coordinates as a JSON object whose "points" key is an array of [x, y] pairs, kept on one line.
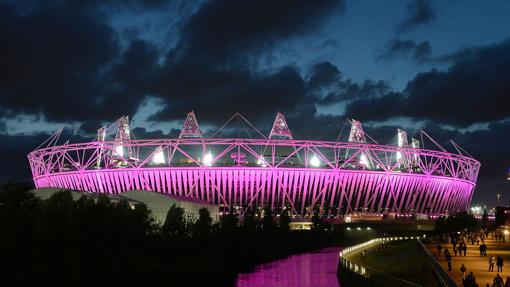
{"points": [[119, 150], [401, 142], [364, 160], [159, 156], [208, 159], [262, 162], [315, 161]]}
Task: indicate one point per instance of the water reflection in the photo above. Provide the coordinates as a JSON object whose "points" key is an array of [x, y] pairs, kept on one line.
{"points": [[312, 269]]}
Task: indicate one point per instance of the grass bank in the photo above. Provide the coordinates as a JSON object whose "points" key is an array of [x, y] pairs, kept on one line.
{"points": [[402, 259]]}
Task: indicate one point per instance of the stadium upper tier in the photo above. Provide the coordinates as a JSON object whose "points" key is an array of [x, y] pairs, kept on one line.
{"points": [[337, 177]]}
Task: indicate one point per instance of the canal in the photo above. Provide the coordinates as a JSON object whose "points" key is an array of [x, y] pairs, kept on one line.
{"points": [[312, 269]]}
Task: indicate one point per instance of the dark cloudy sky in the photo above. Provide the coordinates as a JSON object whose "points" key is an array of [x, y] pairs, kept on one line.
{"points": [[442, 66]]}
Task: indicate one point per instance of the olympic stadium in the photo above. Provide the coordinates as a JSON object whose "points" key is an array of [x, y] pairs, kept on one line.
{"points": [[338, 178]]}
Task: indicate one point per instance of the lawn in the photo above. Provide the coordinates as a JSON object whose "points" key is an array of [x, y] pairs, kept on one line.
{"points": [[402, 259]]}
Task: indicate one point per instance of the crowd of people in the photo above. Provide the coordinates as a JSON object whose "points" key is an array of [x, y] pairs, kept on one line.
{"points": [[459, 245]]}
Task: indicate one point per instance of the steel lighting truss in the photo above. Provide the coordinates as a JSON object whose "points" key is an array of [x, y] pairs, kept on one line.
{"points": [[339, 178]]}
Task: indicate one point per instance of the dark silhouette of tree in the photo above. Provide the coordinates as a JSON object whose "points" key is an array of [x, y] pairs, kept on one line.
{"points": [[174, 225], [485, 218], [250, 222], [228, 222], [440, 225], [202, 226], [285, 220], [19, 210], [455, 222], [460, 221], [316, 220], [97, 240], [268, 220]]}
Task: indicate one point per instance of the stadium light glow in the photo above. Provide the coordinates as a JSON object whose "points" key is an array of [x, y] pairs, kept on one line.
{"points": [[119, 150], [159, 156], [208, 159], [262, 162], [315, 161], [364, 160], [401, 142]]}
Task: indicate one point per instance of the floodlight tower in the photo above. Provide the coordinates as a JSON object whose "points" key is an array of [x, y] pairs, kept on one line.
{"points": [[122, 136], [190, 128], [357, 135], [402, 143], [415, 144], [280, 128], [101, 136]]}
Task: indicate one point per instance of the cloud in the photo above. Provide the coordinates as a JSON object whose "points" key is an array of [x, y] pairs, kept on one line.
{"points": [[226, 31], [473, 90], [347, 90], [211, 70], [64, 64], [50, 61], [396, 48], [418, 12], [323, 74], [62, 61]]}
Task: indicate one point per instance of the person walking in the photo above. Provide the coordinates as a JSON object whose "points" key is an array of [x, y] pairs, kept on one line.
{"points": [[484, 249], [439, 248], [499, 263], [463, 270], [481, 249], [507, 283], [455, 250], [470, 280], [498, 281], [464, 248], [492, 261], [448, 258]]}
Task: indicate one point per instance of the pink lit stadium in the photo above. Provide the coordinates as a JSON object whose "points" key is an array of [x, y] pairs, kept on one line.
{"points": [[339, 178]]}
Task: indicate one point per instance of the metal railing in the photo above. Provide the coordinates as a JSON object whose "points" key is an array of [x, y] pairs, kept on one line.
{"points": [[441, 275]]}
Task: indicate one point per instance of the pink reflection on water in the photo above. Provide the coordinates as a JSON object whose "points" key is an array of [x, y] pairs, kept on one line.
{"points": [[312, 269]]}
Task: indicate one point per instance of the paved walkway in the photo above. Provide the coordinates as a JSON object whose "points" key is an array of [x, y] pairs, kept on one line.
{"points": [[475, 263]]}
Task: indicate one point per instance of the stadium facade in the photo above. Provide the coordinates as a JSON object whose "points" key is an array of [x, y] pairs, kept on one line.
{"points": [[277, 171]]}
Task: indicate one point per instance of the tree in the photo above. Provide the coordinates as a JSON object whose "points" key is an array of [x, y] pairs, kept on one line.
{"points": [[460, 220], [485, 218], [440, 225], [267, 220], [202, 226], [250, 222], [284, 220], [174, 225], [19, 210], [229, 222], [316, 220], [455, 222]]}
